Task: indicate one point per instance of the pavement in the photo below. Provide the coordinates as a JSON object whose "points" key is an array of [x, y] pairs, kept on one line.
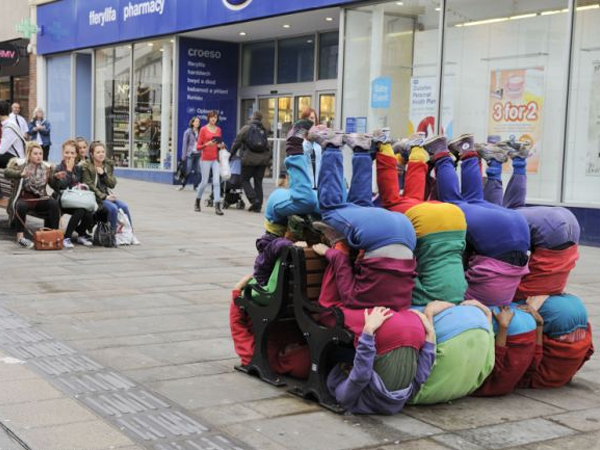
{"points": [[129, 349]]}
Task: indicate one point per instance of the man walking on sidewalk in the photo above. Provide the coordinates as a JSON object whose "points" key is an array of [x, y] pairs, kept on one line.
{"points": [[255, 152]]}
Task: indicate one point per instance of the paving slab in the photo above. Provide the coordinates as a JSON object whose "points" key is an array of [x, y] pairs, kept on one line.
{"points": [[589, 441], [24, 416]]}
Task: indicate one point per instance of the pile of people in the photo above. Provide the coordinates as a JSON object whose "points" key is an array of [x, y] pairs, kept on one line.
{"points": [[451, 287]]}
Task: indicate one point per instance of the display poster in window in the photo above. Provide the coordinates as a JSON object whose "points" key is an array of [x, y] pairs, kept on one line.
{"points": [[423, 106], [208, 76], [516, 109], [593, 152]]}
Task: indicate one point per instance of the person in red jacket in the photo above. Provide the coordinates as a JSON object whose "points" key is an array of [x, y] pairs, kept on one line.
{"points": [[210, 141]]}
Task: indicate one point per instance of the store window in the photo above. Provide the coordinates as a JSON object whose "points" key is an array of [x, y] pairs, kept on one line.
{"points": [[296, 60], [258, 63], [21, 94], [58, 109], [152, 104], [582, 159], [112, 93], [302, 102], [400, 42], [327, 110], [504, 78], [328, 55]]}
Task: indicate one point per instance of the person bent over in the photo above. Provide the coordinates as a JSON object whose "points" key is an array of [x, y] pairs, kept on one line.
{"points": [[567, 341], [440, 227], [554, 230], [464, 353], [497, 238], [519, 331], [384, 271], [382, 384]]}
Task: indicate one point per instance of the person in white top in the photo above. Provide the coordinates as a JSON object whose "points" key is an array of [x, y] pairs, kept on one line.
{"points": [[12, 143], [16, 117]]}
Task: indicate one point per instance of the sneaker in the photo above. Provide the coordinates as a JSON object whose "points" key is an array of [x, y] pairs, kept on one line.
{"points": [[24, 242], [358, 141], [181, 188], [516, 149], [405, 145], [489, 152], [67, 243], [300, 129], [330, 234], [382, 136], [82, 240], [326, 137], [461, 144], [134, 241], [436, 144]]}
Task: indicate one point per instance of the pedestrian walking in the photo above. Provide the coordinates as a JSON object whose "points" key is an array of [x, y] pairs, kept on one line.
{"points": [[210, 140], [190, 154], [252, 143]]}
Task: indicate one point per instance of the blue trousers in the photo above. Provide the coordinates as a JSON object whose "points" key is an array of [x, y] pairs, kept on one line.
{"points": [[300, 198], [113, 209], [491, 229], [364, 226]]}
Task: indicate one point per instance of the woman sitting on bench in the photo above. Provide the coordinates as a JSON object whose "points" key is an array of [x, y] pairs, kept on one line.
{"points": [[30, 194]]}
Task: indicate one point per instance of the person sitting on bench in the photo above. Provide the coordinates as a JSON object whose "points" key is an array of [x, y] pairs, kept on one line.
{"points": [[360, 388]]}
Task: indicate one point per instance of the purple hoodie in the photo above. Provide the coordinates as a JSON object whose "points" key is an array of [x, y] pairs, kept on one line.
{"points": [[269, 248], [363, 391]]}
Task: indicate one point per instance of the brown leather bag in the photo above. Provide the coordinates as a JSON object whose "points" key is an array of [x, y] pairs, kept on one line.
{"points": [[48, 239]]}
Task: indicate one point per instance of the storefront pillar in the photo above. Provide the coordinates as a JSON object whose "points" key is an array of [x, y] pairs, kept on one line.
{"points": [[377, 44], [165, 114]]}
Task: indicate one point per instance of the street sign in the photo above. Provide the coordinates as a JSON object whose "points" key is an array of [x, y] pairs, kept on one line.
{"points": [[27, 28]]}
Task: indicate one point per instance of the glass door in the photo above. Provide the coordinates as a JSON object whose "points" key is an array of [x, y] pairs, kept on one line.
{"points": [[267, 107], [246, 110], [285, 116], [327, 109], [301, 102]]}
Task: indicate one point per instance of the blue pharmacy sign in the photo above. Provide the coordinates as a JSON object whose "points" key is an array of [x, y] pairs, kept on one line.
{"points": [[71, 24], [208, 73], [381, 93]]}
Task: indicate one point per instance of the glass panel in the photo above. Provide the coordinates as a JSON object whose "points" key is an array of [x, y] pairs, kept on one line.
{"points": [[285, 115], [267, 107], [582, 177], [83, 94], [302, 102], [328, 55], [152, 78], [327, 110], [258, 63], [5, 89], [400, 43], [247, 110], [504, 79], [21, 94], [59, 102], [112, 102], [296, 60]]}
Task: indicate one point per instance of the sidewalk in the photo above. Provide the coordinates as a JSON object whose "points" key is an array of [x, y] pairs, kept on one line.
{"points": [[129, 349]]}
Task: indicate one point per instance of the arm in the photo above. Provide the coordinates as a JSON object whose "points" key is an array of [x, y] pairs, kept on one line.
{"points": [[111, 179], [187, 137], [89, 178], [46, 130], [58, 184], [424, 365], [203, 139], [8, 139], [31, 128], [349, 390], [239, 139]]}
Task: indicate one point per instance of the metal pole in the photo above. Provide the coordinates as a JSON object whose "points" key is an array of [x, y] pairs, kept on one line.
{"points": [[440, 65]]}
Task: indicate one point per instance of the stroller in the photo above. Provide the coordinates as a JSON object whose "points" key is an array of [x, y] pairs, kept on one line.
{"points": [[231, 190]]}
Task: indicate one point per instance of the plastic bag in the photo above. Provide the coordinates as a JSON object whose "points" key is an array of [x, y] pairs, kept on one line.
{"points": [[124, 234], [224, 167]]}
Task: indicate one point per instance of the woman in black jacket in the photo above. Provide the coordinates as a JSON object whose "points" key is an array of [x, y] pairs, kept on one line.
{"points": [[67, 175]]}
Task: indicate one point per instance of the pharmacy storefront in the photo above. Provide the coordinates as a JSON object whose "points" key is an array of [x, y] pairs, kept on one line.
{"points": [[132, 73]]}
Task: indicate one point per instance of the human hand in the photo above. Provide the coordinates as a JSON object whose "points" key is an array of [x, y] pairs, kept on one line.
{"points": [[27, 172], [60, 175], [374, 320], [537, 301], [301, 244], [320, 249], [427, 324], [504, 316], [479, 305], [111, 198], [435, 307], [99, 170], [243, 282], [539, 320]]}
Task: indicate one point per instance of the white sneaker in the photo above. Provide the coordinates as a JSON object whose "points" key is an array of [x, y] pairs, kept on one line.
{"points": [[181, 188], [67, 243], [84, 241], [134, 241], [24, 242]]}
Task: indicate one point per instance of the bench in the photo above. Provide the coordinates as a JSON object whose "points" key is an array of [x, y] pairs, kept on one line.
{"points": [[6, 189], [295, 301]]}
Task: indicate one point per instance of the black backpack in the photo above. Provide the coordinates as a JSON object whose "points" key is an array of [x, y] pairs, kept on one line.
{"points": [[256, 139]]}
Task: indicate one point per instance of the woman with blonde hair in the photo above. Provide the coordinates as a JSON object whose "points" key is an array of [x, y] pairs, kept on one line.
{"points": [[39, 130], [30, 194]]}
